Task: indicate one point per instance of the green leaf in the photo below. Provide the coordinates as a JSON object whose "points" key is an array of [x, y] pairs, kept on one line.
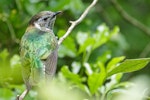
{"points": [[112, 64], [9, 68], [113, 80], [71, 47], [123, 85], [103, 35], [105, 56], [75, 78], [6, 94], [87, 44], [15, 65], [115, 30], [95, 80], [66, 49], [3, 55], [76, 6], [129, 65]]}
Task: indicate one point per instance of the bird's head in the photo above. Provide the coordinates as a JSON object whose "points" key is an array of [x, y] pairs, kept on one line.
{"points": [[44, 19]]}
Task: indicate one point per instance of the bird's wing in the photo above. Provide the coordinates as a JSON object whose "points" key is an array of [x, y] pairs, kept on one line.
{"points": [[51, 65], [35, 47]]}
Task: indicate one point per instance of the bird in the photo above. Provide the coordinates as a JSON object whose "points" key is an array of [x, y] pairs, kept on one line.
{"points": [[38, 50]]}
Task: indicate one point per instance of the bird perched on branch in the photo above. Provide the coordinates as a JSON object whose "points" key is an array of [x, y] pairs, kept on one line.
{"points": [[39, 50]]}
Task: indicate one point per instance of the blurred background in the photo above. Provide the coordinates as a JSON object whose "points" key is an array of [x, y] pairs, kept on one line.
{"points": [[132, 18]]}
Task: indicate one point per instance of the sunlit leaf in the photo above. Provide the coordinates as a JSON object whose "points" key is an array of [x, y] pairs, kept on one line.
{"points": [[88, 43], [3, 55], [113, 63], [75, 78], [95, 80], [129, 65], [81, 37], [114, 31], [76, 66], [88, 68]]}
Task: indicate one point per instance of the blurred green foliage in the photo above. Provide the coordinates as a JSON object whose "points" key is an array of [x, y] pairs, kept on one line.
{"points": [[88, 61], [92, 76], [10, 69]]}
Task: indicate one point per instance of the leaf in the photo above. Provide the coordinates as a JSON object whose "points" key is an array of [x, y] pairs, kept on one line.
{"points": [[106, 55], [76, 6], [123, 85], [6, 94], [88, 68], [75, 78], [81, 37], [103, 35], [113, 62], [115, 30], [76, 66], [9, 68], [3, 55], [129, 65], [88, 43], [66, 49], [71, 47], [15, 66], [118, 88], [95, 80]]}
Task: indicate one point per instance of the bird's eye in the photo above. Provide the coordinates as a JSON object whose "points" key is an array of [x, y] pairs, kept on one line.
{"points": [[45, 19]]}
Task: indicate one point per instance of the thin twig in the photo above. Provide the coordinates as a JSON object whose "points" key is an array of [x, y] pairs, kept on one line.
{"points": [[130, 19], [74, 23]]}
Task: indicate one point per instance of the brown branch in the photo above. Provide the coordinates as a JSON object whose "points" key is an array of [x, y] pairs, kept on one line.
{"points": [[130, 19], [74, 23]]}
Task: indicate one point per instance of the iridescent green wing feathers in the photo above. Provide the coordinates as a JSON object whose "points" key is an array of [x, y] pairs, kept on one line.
{"points": [[36, 46]]}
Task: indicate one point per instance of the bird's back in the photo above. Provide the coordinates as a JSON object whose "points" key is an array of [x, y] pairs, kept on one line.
{"points": [[36, 46]]}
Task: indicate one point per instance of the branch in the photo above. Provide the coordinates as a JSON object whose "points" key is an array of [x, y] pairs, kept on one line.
{"points": [[74, 23], [130, 19]]}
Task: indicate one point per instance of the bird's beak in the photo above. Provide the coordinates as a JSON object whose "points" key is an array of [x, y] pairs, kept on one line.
{"points": [[57, 13]]}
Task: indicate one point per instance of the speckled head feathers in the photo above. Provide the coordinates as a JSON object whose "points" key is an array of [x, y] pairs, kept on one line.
{"points": [[44, 19]]}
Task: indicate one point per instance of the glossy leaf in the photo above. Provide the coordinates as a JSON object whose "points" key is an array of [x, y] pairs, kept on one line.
{"points": [[113, 63], [129, 65]]}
